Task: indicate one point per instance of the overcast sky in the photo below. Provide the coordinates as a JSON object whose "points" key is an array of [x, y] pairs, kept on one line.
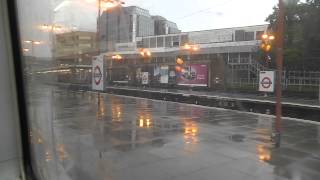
{"points": [[193, 15], [190, 15]]}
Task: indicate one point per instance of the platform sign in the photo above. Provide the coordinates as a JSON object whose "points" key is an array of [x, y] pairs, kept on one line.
{"points": [[267, 81], [145, 78], [97, 73]]}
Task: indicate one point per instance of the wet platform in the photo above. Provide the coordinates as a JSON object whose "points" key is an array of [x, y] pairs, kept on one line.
{"points": [[125, 138]]}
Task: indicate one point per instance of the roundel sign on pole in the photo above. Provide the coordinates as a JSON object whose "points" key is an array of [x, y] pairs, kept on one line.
{"points": [[266, 81], [97, 73]]}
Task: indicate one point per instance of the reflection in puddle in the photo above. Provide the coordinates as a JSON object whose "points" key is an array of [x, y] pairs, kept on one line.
{"points": [[145, 120], [62, 152], [116, 112], [264, 154], [101, 107], [190, 132]]}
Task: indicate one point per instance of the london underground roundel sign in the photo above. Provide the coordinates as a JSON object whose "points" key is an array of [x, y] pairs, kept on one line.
{"points": [[266, 81], [97, 75]]}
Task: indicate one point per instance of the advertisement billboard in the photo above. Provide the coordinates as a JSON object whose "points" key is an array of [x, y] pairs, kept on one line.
{"points": [[193, 75]]}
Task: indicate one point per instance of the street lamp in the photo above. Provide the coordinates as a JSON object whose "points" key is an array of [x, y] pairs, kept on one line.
{"points": [[191, 48], [104, 5], [51, 28], [266, 46], [109, 4], [271, 37], [145, 53], [179, 61], [25, 50], [117, 57]]}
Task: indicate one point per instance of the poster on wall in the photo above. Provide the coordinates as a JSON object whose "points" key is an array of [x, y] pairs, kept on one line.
{"points": [[145, 78], [164, 74], [156, 74], [193, 75]]}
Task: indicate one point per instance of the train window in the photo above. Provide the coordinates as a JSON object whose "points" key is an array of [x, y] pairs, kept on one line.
{"points": [[148, 89]]}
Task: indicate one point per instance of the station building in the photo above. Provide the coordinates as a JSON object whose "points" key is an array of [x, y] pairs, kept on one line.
{"points": [[224, 55]]}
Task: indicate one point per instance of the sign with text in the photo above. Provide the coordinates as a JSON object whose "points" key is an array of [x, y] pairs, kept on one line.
{"points": [[266, 81], [97, 73], [193, 75], [145, 78]]}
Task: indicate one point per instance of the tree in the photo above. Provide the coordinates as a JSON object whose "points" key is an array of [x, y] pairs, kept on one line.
{"points": [[301, 38]]}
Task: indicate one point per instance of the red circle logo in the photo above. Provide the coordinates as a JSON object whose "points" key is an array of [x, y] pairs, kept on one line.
{"points": [[266, 82], [97, 75]]}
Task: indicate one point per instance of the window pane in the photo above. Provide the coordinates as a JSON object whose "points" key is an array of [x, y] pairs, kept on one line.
{"points": [[146, 89]]}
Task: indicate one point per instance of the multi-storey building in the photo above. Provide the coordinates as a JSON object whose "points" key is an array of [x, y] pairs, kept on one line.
{"points": [[73, 52], [162, 26], [123, 25]]}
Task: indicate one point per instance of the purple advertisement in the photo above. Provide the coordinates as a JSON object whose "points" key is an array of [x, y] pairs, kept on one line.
{"points": [[193, 75]]}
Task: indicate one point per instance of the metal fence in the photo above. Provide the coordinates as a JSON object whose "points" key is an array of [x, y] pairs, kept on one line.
{"points": [[298, 79]]}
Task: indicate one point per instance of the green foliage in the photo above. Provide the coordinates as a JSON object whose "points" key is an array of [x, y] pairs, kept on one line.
{"points": [[302, 37], [293, 58]]}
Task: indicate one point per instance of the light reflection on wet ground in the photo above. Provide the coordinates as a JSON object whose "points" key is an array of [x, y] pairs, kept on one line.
{"points": [[75, 136]]}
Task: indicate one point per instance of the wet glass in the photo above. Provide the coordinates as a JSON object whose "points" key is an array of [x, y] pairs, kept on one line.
{"points": [[146, 89]]}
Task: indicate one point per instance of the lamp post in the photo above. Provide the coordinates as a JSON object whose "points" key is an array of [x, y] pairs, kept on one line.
{"points": [[146, 56], [145, 53], [266, 46], [105, 5], [190, 48], [279, 61]]}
